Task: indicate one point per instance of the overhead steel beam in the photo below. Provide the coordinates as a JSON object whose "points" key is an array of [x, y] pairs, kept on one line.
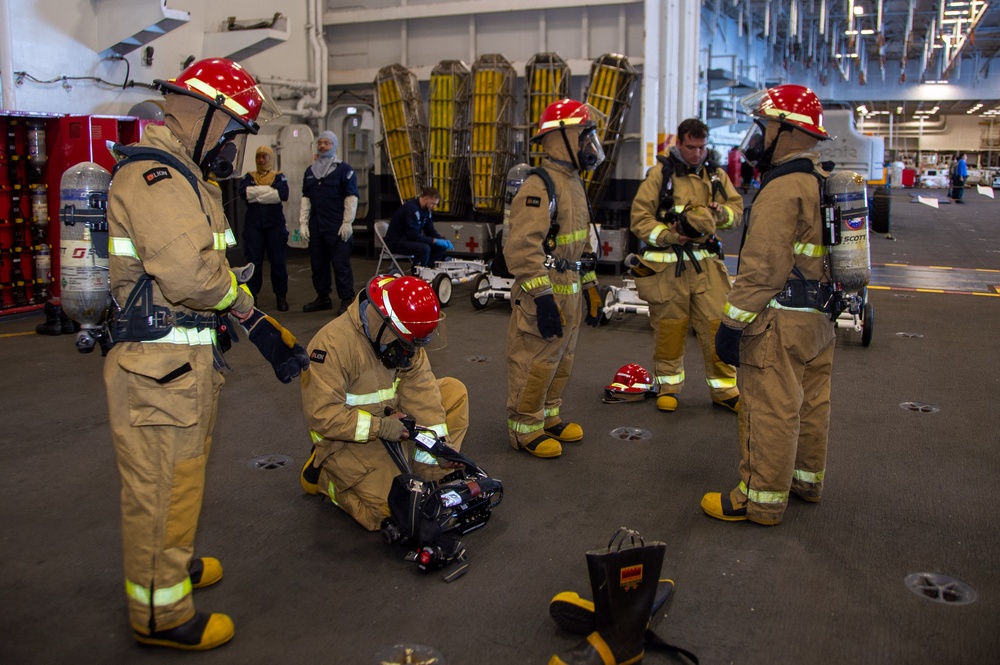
{"points": [[445, 9]]}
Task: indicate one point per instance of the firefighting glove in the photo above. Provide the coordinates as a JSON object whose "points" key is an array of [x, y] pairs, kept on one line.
{"points": [[550, 319], [592, 303], [346, 231], [277, 345], [727, 344], [391, 429]]}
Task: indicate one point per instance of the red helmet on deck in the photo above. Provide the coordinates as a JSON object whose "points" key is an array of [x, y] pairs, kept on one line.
{"points": [[632, 382], [408, 306], [791, 104]]}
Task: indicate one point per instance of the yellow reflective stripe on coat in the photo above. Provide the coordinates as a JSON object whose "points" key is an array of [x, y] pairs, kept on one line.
{"points": [[722, 383], [331, 491], [377, 397], [223, 240], [186, 337], [230, 296], [808, 476], [809, 249], [576, 236], [588, 277], [761, 496], [730, 216], [655, 233], [315, 436], [119, 246], [551, 412], [736, 314], [671, 257], [441, 430], [364, 427], [536, 282], [812, 310], [161, 597], [566, 289], [670, 379], [521, 428]]}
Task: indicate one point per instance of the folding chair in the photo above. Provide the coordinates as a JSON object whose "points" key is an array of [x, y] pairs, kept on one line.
{"points": [[381, 227]]}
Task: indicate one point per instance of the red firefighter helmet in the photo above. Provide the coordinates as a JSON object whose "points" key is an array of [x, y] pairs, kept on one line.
{"points": [[408, 305], [791, 104], [632, 382], [565, 113], [228, 87]]}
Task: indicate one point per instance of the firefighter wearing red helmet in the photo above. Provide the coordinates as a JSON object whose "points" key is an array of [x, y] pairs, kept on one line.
{"points": [[369, 368], [168, 271], [776, 324], [553, 267]]}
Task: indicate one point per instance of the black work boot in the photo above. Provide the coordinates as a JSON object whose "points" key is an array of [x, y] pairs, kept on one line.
{"points": [[321, 303], [52, 325], [282, 304], [623, 579]]}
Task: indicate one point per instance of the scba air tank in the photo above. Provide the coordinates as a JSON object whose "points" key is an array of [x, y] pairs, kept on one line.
{"points": [[515, 178], [83, 249], [850, 259]]}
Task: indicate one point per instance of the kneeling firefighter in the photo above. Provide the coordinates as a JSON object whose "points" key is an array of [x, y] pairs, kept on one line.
{"points": [[777, 321], [369, 369], [168, 271]]}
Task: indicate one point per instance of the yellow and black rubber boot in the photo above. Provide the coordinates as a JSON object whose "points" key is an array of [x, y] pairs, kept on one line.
{"points": [[623, 579]]}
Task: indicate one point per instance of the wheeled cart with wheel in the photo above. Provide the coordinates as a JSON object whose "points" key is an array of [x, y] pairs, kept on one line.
{"points": [[446, 274], [859, 315], [622, 299]]}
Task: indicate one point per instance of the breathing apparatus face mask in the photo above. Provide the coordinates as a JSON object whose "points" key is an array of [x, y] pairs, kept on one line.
{"points": [[753, 144], [226, 158], [397, 354], [591, 153]]}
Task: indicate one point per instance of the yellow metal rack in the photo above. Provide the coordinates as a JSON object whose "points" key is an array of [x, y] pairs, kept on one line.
{"points": [[612, 82], [448, 152], [492, 121], [397, 100], [547, 79]]}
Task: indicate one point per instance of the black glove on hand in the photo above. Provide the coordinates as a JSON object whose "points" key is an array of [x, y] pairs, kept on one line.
{"points": [[727, 344], [550, 320], [277, 345], [592, 305]]}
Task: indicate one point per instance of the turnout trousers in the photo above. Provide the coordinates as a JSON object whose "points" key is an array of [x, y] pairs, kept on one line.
{"points": [[357, 476], [538, 369], [162, 433], [677, 302], [786, 359]]}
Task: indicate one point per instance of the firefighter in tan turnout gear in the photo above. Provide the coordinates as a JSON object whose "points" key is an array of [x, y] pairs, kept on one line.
{"points": [[169, 274], [777, 326], [369, 369], [679, 206], [551, 263]]}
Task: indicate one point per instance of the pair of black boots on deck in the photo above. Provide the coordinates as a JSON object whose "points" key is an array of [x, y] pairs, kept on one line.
{"points": [[628, 592]]}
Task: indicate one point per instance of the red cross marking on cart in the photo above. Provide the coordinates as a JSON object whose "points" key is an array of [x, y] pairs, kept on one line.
{"points": [[472, 244], [607, 248]]}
